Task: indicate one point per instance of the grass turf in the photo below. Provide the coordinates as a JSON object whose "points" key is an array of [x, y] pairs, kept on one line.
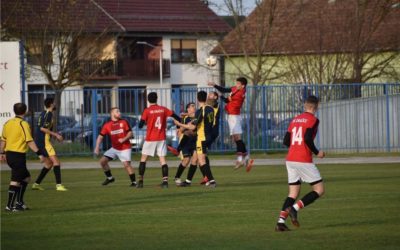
{"points": [[359, 211]]}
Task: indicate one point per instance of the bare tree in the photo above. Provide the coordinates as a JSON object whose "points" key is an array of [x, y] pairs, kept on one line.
{"points": [[353, 41], [58, 36]]}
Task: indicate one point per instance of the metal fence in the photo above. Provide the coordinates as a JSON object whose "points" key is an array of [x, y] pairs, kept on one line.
{"points": [[353, 117]]}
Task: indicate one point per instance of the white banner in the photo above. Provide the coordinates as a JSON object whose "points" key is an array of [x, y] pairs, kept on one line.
{"points": [[10, 80]]}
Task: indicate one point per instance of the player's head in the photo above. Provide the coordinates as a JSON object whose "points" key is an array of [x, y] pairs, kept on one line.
{"points": [[20, 109], [241, 82], [152, 97], [311, 104], [191, 108], [202, 96], [49, 102], [213, 95], [115, 113]]}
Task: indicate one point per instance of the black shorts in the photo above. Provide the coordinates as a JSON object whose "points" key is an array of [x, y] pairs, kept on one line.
{"points": [[17, 162], [203, 146], [187, 150]]}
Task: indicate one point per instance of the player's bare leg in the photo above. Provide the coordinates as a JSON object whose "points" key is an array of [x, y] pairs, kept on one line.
{"points": [[131, 172]]}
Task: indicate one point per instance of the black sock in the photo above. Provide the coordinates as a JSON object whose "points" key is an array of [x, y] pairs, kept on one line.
{"points": [[207, 160], [241, 147], [208, 172], [309, 198], [142, 169], [182, 142], [20, 197], [132, 177], [288, 203], [108, 174], [203, 172], [12, 195], [42, 175], [57, 173], [191, 172], [180, 170], [164, 170]]}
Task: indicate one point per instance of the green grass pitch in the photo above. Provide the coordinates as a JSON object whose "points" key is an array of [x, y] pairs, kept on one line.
{"points": [[361, 210]]}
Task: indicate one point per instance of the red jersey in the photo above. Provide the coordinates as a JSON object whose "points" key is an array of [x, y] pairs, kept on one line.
{"points": [[155, 117], [116, 130], [298, 150], [237, 98]]}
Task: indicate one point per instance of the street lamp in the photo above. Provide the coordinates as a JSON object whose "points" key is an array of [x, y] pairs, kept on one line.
{"points": [[155, 46]]}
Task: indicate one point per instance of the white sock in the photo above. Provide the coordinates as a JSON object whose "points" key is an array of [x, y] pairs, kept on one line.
{"points": [[280, 220], [240, 158], [296, 207]]}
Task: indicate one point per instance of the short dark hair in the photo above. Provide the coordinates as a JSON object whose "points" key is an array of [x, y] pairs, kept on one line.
{"points": [[48, 101], [20, 108], [152, 97], [189, 104], [202, 96], [312, 99], [242, 80], [111, 109], [215, 93]]}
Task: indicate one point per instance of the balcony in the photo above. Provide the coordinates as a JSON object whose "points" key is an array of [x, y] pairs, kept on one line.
{"points": [[124, 69]]}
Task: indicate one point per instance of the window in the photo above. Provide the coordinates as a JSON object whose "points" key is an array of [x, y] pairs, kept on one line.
{"points": [[35, 55], [183, 51]]}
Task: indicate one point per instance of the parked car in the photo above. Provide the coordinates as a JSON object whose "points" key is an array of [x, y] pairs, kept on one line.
{"points": [[64, 122], [87, 135], [277, 132]]}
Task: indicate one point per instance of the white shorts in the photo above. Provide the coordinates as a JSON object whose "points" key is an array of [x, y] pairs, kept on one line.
{"points": [[302, 171], [235, 124], [123, 155], [151, 147]]}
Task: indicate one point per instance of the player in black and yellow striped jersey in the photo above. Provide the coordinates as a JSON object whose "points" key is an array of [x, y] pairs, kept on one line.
{"points": [[42, 139], [15, 139], [188, 146], [204, 125]]}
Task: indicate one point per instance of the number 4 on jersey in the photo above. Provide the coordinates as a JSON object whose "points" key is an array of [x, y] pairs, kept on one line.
{"points": [[158, 123], [297, 135]]}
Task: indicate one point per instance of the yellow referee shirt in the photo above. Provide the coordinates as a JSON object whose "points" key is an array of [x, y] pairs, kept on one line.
{"points": [[16, 133]]}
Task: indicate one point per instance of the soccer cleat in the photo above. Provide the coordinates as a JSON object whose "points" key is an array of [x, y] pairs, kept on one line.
{"points": [[36, 186], [178, 181], [11, 209], [133, 184], [281, 227], [164, 184], [21, 206], [173, 150], [204, 180], [238, 165], [211, 184], [108, 181], [293, 216], [140, 184], [249, 165], [61, 187], [185, 184]]}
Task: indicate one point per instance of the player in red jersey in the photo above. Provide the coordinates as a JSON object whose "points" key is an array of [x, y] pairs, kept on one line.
{"points": [[234, 103], [120, 132], [155, 117], [299, 163]]}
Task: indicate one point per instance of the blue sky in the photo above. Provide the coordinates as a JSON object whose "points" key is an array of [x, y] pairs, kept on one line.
{"points": [[218, 6]]}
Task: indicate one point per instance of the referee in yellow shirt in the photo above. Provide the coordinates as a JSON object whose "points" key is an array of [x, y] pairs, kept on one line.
{"points": [[15, 140]]}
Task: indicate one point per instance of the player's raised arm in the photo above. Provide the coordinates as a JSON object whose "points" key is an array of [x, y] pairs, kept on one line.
{"points": [[220, 88]]}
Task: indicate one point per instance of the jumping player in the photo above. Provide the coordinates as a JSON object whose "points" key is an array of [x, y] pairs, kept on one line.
{"points": [[155, 117], [120, 132], [42, 140], [233, 106], [299, 164]]}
